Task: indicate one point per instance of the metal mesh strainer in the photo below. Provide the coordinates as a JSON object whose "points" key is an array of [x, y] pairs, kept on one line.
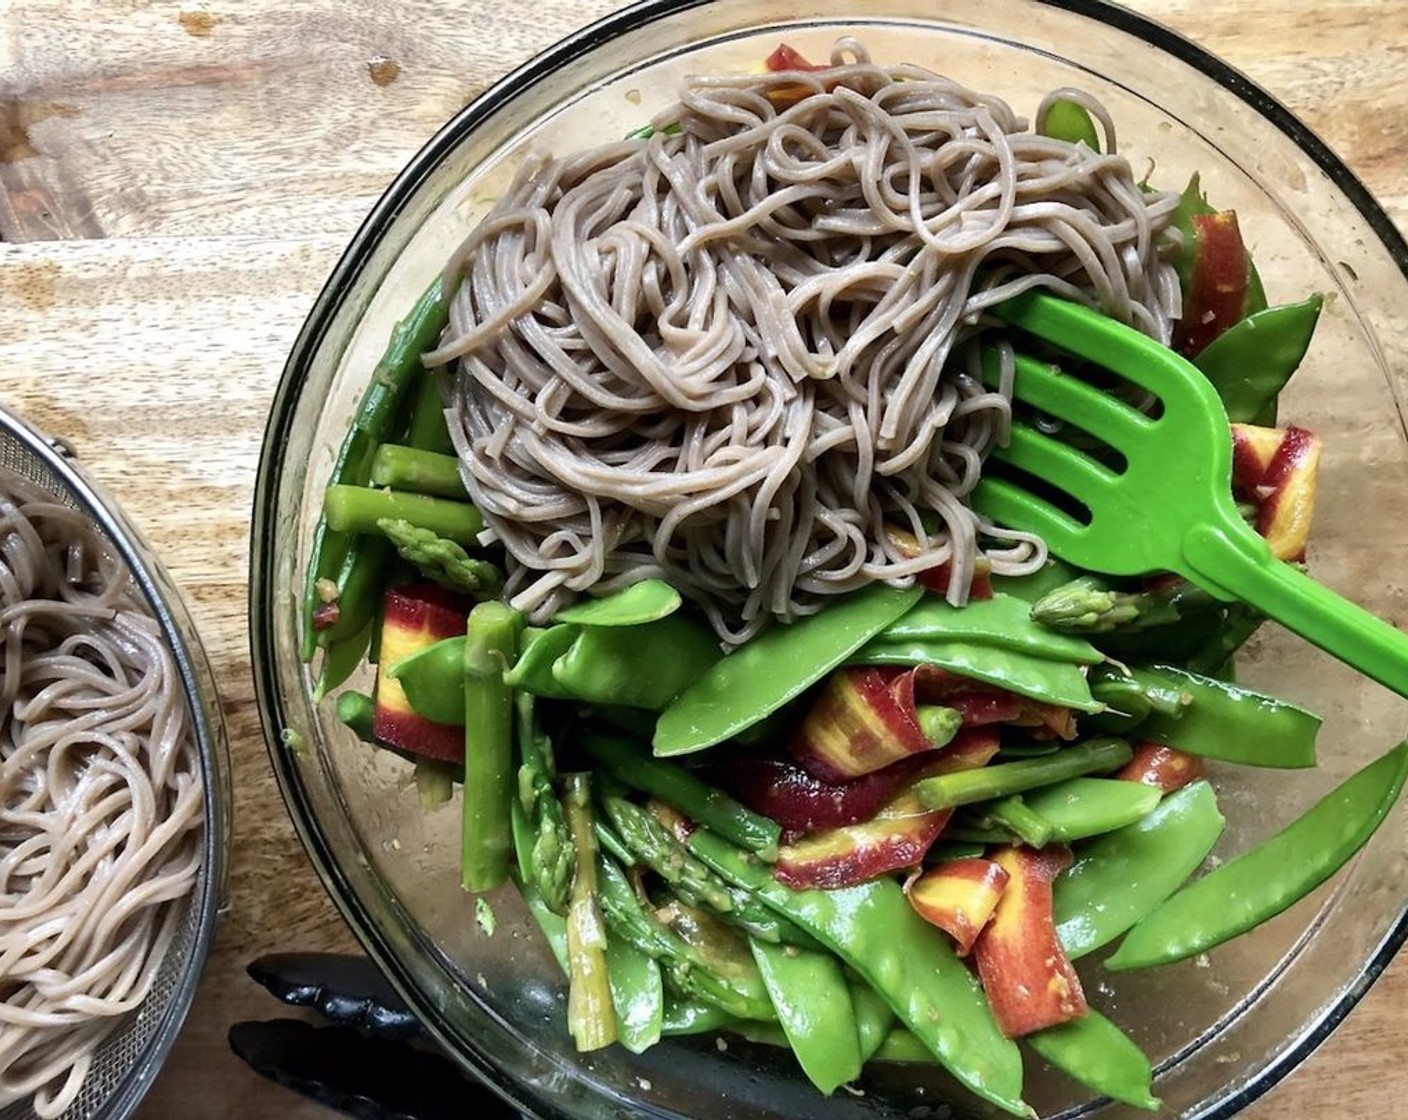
{"points": [[127, 1062]]}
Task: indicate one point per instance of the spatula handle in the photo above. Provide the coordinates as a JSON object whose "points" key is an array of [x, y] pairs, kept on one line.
{"points": [[1242, 564]]}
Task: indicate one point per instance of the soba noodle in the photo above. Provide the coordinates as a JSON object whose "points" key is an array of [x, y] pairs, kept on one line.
{"points": [[732, 353], [100, 797]]}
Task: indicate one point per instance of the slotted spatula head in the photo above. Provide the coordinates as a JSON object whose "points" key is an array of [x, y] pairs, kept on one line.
{"points": [[1177, 464], [1169, 507]]}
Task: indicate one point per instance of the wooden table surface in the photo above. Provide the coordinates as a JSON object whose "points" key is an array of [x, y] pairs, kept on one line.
{"points": [[175, 183]]}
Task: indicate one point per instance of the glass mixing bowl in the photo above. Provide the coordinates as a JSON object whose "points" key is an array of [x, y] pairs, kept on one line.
{"points": [[1221, 1029]]}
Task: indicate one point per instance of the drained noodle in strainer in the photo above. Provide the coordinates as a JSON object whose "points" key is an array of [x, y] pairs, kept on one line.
{"points": [[101, 797]]}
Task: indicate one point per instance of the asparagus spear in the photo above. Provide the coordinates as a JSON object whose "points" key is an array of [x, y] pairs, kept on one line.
{"points": [[553, 925], [421, 472], [1089, 606], [939, 724], [358, 509], [441, 559], [427, 430], [1012, 814], [684, 966], [712, 808], [375, 421], [492, 637], [591, 1015], [650, 842], [1125, 694], [356, 710], [552, 840], [944, 791], [435, 782]]}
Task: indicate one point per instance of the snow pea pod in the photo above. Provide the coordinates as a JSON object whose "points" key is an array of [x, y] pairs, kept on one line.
{"points": [[1096, 1053], [901, 1045], [1070, 121], [685, 1015], [873, 929], [613, 845], [433, 680], [644, 666], [1261, 883], [1083, 807], [360, 580], [1121, 877], [765, 1034], [637, 993], [647, 601], [553, 925], [874, 1021], [873, 1017], [1052, 682], [778, 665], [1004, 622], [636, 666], [1251, 363], [341, 659], [813, 1005], [532, 672], [1226, 721]]}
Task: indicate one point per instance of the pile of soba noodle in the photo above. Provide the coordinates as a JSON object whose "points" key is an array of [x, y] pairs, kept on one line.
{"points": [[731, 354], [100, 797]]}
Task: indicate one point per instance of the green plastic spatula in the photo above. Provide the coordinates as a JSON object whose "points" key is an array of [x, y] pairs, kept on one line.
{"points": [[1171, 507]]}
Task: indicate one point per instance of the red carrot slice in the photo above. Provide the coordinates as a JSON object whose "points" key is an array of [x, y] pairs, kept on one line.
{"points": [[898, 835], [1029, 981], [1162, 767], [415, 617], [1217, 290], [959, 897], [857, 726]]}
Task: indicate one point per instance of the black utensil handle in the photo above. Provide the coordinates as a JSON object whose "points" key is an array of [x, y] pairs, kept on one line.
{"points": [[348, 991], [368, 1078], [360, 1065]]}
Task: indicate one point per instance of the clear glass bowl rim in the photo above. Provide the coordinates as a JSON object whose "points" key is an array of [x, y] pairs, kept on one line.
{"points": [[356, 257]]}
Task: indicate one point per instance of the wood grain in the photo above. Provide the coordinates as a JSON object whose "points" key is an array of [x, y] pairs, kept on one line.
{"points": [[175, 184]]}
